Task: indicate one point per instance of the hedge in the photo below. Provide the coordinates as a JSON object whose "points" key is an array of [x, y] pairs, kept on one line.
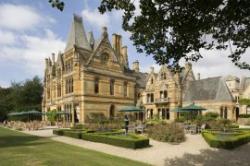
{"points": [[132, 141], [232, 141], [244, 116], [112, 137]]}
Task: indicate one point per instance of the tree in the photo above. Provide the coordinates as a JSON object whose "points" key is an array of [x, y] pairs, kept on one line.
{"points": [[171, 30], [21, 97]]}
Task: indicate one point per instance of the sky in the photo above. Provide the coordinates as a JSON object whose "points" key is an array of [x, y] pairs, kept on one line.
{"points": [[32, 30]]}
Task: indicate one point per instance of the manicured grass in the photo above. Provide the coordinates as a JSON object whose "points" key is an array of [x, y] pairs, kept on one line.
{"points": [[18, 149]]}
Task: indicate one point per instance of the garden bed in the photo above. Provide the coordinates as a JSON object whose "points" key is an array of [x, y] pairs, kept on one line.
{"points": [[226, 140], [115, 137]]}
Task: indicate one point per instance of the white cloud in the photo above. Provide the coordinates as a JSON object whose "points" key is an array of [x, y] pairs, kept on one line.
{"points": [[18, 17], [95, 18], [7, 38], [34, 51]]}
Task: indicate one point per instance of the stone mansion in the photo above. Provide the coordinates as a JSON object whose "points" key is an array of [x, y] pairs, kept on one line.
{"points": [[93, 76]]}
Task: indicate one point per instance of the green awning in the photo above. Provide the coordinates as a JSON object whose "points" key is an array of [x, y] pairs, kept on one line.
{"points": [[32, 112], [193, 107], [131, 109], [178, 109]]}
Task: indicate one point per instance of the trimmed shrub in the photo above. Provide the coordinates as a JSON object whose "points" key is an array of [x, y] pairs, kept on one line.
{"points": [[130, 141], [167, 132], [244, 116], [78, 126], [72, 134], [230, 141]]}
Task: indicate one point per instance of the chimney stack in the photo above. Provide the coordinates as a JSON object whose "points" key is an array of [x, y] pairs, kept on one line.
{"points": [[152, 69], [135, 66], [124, 53], [188, 66], [198, 76], [117, 42], [53, 58], [46, 62]]}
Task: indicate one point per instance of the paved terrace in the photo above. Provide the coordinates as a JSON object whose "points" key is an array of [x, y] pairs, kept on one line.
{"points": [[194, 151]]}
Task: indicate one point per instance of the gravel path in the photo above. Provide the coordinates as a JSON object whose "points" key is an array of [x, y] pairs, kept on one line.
{"points": [[158, 154]]}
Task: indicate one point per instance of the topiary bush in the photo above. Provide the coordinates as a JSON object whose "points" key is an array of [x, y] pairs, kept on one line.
{"points": [[130, 141], [223, 140], [172, 132]]}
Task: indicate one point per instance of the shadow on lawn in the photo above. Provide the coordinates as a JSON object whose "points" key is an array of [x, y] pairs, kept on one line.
{"points": [[13, 140], [221, 157]]}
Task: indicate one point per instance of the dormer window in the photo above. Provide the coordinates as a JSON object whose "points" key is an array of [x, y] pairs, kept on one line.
{"points": [[104, 57], [163, 76]]}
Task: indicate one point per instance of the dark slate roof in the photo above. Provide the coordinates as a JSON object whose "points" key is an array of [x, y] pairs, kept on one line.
{"points": [[141, 78], [77, 35], [208, 89], [245, 82]]}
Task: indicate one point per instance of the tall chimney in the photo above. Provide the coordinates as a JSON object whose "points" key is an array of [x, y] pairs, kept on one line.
{"points": [[152, 69], [46, 62], [117, 42], [53, 58], [188, 66], [198, 76], [124, 53], [135, 66]]}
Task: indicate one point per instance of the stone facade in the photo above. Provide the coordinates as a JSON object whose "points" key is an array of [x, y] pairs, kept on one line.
{"points": [[93, 76]]}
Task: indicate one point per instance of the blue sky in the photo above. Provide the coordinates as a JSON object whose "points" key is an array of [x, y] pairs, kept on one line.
{"points": [[30, 30]]}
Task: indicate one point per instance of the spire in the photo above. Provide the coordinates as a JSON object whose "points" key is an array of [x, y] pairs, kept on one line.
{"points": [[91, 39], [77, 35]]}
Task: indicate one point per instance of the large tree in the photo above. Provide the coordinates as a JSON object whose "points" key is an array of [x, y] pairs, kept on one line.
{"points": [[171, 30]]}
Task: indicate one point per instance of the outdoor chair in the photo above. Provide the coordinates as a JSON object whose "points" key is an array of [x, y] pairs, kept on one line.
{"points": [[140, 128]]}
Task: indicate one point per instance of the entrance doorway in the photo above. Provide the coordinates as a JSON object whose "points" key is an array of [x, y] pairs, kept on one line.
{"points": [[237, 113], [112, 111]]}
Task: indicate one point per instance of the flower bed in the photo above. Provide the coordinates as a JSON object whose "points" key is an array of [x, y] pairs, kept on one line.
{"points": [[115, 137], [226, 140]]}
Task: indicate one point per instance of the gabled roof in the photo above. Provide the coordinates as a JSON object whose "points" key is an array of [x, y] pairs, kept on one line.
{"points": [[208, 89], [77, 35], [245, 82]]}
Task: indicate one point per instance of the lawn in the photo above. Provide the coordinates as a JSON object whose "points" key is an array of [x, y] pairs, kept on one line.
{"points": [[17, 149]]}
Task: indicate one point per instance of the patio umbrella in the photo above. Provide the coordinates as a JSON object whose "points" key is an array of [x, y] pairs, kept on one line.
{"points": [[131, 109], [193, 107]]}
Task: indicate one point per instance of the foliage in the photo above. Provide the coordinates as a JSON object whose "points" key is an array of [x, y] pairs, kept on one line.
{"points": [[167, 132], [40, 151], [174, 30], [52, 116], [57, 3], [19, 97], [98, 121], [225, 140], [244, 116], [244, 101], [79, 126], [220, 124], [206, 118]]}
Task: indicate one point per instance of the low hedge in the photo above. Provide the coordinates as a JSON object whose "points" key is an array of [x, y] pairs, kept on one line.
{"points": [[132, 141], [112, 137], [226, 142], [244, 116]]}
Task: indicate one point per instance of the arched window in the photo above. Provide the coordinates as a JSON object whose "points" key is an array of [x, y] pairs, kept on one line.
{"points": [[125, 89], [152, 80], [96, 85], [112, 86], [225, 113]]}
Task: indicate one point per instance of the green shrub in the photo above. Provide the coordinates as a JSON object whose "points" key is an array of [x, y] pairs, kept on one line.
{"points": [[244, 116], [227, 141], [73, 134], [167, 132], [58, 132], [130, 141], [78, 126]]}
